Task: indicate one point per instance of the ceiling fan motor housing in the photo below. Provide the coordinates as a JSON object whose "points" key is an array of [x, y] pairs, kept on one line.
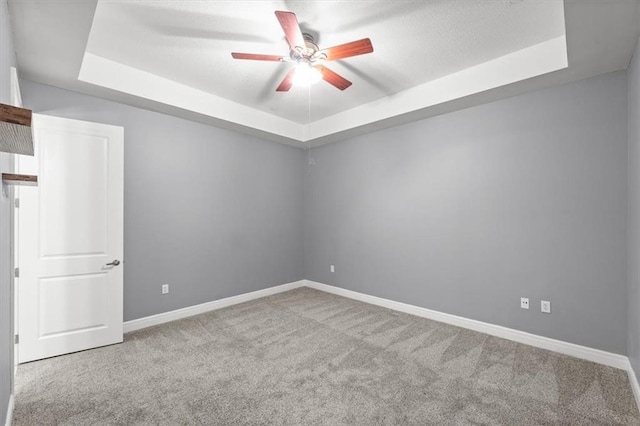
{"points": [[309, 54]]}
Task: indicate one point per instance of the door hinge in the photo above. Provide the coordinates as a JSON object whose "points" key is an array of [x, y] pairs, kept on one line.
{"points": [[16, 339], [16, 202], [16, 272]]}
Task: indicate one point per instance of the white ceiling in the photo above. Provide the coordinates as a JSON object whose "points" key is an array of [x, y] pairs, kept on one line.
{"points": [[429, 56], [414, 42]]}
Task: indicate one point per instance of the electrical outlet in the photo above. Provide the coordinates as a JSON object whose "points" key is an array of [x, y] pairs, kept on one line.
{"points": [[524, 302], [165, 288], [545, 306], [333, 268]]}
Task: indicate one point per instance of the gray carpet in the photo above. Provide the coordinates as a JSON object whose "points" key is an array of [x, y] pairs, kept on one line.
{"points": [[308, 357]]}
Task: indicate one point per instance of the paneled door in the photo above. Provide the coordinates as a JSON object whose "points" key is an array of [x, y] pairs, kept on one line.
{"points": [[70, 239]]}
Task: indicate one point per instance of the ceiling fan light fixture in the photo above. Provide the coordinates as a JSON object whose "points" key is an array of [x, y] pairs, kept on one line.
{"points": [[309, 59], [306, 75]]}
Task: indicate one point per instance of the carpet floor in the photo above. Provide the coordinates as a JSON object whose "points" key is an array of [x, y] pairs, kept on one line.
{"points": [[305, 357]]}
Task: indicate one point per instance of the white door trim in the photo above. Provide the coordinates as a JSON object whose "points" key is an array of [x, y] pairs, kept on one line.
{"points": [[16, 100], [9, 419]]}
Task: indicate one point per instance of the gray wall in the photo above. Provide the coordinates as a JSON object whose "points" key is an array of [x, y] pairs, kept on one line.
{"points": [[462, 213], [466, 212], [633, 217], [7, 60], [210, 212]]}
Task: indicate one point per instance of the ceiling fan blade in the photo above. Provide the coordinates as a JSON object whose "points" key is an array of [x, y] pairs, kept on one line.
{"points": [[333, 78], [346, 50], [257, 57], [287, 81], [289, 24]]}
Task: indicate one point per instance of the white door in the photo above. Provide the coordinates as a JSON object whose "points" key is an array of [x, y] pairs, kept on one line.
{"points": [[70, 239]]}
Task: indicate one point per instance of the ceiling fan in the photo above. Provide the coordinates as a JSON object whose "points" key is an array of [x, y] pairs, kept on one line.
{"points": [[308, 57]]}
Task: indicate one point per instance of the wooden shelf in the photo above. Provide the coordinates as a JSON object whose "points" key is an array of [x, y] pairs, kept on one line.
{"points": [[13, 179], [15, 130], [15, 115]]}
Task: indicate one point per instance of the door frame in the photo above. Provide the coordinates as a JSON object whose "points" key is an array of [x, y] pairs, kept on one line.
{"points": [[16, 100]]}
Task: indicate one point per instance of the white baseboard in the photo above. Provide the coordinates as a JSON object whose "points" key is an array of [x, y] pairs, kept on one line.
{"points": [[633, 380], [578, 351], [9, 420], [571, 349], [162, 318]]}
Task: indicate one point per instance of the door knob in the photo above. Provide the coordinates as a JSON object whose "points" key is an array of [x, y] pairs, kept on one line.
{"points": [[114, 263]]}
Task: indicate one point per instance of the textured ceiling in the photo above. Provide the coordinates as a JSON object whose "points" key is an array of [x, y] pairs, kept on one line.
{"points": [[429, 57], [414, 42]]}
